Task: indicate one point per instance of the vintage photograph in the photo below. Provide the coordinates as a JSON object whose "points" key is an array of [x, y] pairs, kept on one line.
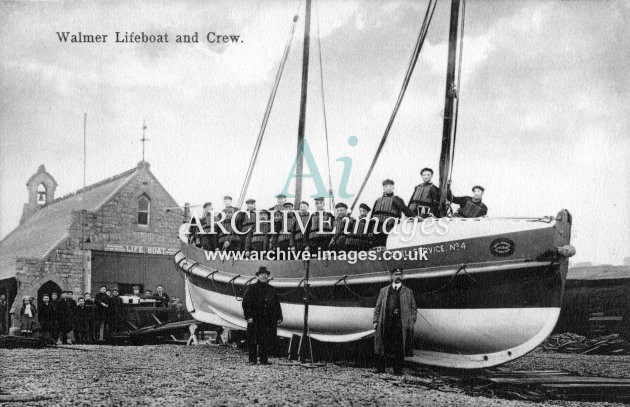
{"points": [[314, 202]]}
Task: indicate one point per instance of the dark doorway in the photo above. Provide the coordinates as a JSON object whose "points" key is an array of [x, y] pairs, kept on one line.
{"points": [[48, 287]]}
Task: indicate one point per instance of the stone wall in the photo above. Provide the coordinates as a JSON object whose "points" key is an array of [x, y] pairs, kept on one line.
{"points": [[596, 307], [69, 264]]}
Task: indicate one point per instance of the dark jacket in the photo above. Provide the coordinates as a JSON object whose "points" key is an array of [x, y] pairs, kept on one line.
{"points": [[163, 300], [261, 303], [408, 312], [389, 206], [83, 318], [468, 207], [47, 316], [425, 194]]}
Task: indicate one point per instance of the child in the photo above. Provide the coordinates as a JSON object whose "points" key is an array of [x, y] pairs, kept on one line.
{"points": [[27, 314]]}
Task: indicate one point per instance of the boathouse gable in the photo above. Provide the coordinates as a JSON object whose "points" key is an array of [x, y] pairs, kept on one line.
{"points": [[104, 234]]}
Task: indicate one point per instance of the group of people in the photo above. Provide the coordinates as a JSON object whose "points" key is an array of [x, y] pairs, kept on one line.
{"points": [[87, 319], [306, 231], [393, 321]]}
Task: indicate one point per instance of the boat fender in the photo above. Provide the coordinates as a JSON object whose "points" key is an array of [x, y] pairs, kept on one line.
{"points": [[566, 250]]}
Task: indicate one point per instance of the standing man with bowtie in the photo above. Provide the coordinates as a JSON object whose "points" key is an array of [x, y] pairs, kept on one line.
{"points": [[394, 318]]}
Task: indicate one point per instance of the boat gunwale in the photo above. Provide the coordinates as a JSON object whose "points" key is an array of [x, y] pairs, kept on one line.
{"points": [[196, 269]]}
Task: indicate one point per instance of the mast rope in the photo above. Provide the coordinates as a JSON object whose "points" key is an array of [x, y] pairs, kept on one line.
{"points": [[458, 90], [272, 97], [412, 63], [321, 82]]}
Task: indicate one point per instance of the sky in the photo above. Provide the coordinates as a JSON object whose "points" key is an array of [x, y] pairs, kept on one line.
{"points": [[544, 102]]}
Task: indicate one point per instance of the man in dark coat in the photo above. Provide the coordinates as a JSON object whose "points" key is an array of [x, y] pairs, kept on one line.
{"points": [[116, 312], [56, 303], [262, 312], [89, 304], [82, 319], [47, 317], [386, 211], [395, 314], [425, 200], [101, 304], [66, 315], [470, 206]]}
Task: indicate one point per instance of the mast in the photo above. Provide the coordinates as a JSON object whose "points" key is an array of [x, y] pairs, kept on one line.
{"points": [[449, 106], [302, 122]]}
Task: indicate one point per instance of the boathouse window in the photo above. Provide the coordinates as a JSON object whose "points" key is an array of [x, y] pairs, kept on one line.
{"points": [[143, 210], [41, 195]]}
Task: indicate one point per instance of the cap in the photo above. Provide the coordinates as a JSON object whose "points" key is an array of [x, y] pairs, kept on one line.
{"points": [[396, 270], [426, 169], [227, 197], [262, 270], [341, 205], [135, 287], [480, 187], [250, 201], [364, 206], [281, 196], [304, 203], [319, 199], [388, 182], [207, 204], [288, 205], [265, 212]]}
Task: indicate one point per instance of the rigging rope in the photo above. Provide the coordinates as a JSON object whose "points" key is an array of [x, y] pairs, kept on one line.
{"points": [[412, 63], [272, 97], [321, 82], [458, 89]]}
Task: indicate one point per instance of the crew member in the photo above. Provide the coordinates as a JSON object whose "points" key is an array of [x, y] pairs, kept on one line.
{"points": [[338, 241], [281, 200], [229, 240], [246, 221], [470, 206], [227, 202], [259, 241], [425, 200], [210, 239], [319, 237], [299, 239], [360, 230], [67, 314], [263, 313], [387, 210], [283, 241], [395, 314]]}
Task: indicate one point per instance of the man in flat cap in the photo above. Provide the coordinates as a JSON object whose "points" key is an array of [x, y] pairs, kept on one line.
{"points": [[282, 240], [229, 240], [395, 314], [299, 239], [262, 311], [259, 241], [227, 202], [319, 237], [387, 210], [360, 230], [425, 200], [209, 240], [338, 241], [246, 221], [281, 200], [470, 206]]}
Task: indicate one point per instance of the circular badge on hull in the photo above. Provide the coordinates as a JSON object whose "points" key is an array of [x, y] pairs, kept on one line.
{"points": [[502, 247]]}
